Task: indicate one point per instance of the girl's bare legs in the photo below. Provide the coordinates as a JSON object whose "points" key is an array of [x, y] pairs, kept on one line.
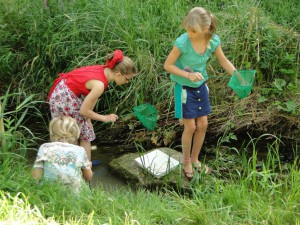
{"points": [[87, 147], [186, 141], [87, 144], [199, 136]]}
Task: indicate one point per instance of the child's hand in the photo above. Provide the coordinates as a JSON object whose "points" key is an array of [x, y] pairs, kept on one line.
{"points": [[195, 76], [111, 118]]}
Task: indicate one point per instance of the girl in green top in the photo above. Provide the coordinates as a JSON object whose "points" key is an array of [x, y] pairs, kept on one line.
{"points": [[187, 65]]}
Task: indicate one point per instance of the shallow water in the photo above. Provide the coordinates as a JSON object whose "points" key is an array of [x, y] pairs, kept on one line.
{"points": [[101, 173], [103, 177]]}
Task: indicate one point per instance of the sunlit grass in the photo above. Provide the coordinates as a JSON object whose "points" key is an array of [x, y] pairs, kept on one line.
{"points": [[43, 43], [250, 195], [37, 44]]}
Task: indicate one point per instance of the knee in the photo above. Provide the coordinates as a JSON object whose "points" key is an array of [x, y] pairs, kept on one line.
{"points": [[190, 129], [202, 126]]}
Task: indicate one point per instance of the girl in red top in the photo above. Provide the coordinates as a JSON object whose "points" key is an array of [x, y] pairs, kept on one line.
{"points": [[66, 95]]}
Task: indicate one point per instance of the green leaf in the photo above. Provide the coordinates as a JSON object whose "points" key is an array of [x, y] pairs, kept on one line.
{"points": [[279, 84], [276, 103], [262, 99], [291, 106], [27, 101], [287, 71]]}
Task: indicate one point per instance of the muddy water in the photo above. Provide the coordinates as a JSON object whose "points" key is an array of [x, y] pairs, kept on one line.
{"points": [[101, 173]]}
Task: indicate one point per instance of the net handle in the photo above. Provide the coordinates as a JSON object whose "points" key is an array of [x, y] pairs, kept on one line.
{"points": [[219, 76]]}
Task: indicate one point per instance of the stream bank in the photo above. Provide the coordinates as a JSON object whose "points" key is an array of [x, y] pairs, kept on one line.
{"points": [[246, 119]]}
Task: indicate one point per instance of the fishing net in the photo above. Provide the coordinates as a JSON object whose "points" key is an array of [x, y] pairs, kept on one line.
{"points": [[147, 114], [242, 82]]}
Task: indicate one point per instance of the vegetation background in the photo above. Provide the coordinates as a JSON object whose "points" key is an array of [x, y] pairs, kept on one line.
{"points": [[38, 41]]}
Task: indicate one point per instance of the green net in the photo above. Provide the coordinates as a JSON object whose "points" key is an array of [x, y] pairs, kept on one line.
{"points": [[147, 114], [242, 82]]}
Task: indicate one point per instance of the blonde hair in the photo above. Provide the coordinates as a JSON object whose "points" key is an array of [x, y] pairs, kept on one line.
{"points": [[198, 19], [64, 129], [126, 66]]}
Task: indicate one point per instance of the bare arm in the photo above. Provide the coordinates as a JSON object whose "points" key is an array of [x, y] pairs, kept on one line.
{"points": [[87, 174], [96, 88], [171, 68], [170, 63], [224, 62]]}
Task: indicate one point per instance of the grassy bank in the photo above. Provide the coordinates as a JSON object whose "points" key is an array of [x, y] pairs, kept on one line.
{"points": [[39, 43], [36, 43], [246, 195]]}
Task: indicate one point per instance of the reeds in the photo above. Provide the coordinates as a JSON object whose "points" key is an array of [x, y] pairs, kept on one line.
{"points": [[259, 191], [38, 43], [2, 136]]}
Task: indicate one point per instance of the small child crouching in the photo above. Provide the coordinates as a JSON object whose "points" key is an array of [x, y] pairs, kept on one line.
{"points": [[62, 159]]}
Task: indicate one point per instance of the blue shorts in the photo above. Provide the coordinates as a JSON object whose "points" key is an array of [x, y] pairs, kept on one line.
{"points": [[191, 102]]}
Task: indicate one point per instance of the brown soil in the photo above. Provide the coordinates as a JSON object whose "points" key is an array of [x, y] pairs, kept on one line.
{"points": [[244, 117]]}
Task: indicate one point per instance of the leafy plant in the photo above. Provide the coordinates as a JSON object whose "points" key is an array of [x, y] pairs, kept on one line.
{"points": [[278, 91]]}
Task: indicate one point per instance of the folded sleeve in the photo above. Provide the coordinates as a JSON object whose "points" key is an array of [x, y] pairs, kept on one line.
{"points": [[83, 161], [41, 158]]}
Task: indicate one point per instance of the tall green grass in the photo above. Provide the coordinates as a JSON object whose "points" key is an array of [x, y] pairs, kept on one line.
{"points": [[17, 111], [268, 199], [38, 43], [245, 194]]}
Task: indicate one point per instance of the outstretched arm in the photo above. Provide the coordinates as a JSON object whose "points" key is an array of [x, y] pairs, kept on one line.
{"points": [[96, 88], [224, 62]]}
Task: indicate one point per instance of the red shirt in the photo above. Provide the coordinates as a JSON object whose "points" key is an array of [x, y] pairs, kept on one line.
{"points": [[76, 79]]}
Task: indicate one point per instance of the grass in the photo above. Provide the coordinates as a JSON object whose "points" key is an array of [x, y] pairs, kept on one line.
{"points": [[72, 34], [37, 44], [232, 203], [245, 194]]}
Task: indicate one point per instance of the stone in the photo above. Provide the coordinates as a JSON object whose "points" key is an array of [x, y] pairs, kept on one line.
{"points": [[126, 168]]}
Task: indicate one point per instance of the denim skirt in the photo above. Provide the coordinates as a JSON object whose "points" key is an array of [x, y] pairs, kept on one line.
{"points": [[191, 102]]}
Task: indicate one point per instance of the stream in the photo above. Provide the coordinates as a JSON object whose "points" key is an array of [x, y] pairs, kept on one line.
{"points": [[102, 156], [102, 175]]}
